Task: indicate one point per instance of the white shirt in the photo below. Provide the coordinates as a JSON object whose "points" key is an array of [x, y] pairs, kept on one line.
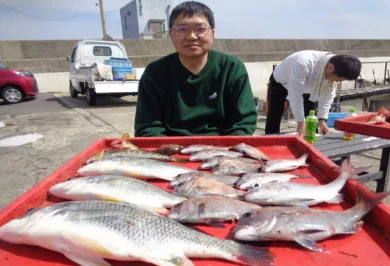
{"points": [[297, 73]]}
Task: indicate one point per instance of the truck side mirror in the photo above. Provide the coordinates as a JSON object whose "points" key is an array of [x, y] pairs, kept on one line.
{"points": [[68, 58]]}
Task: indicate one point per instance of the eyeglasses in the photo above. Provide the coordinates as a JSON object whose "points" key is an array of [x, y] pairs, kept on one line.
{"points": [[182, 31]]}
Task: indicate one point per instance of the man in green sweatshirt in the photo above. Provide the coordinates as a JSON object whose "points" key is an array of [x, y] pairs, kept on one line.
{"points": [[195, 91]]}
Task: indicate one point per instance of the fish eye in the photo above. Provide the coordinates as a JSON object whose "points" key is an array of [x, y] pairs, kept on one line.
{"points": [[256, 185], [247, 215]]}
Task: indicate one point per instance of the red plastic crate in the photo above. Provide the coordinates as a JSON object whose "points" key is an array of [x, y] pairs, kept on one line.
{"points": [[369, 246], [359, 125]]}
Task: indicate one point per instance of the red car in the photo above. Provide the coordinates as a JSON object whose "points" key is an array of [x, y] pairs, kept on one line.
{"points": [[16, 85]]}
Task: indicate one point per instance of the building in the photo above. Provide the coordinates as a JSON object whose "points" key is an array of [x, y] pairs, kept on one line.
{"points": [[145, 19]]}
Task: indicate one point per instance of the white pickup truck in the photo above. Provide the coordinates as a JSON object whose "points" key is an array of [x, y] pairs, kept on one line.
{"points": [[82, 76]]}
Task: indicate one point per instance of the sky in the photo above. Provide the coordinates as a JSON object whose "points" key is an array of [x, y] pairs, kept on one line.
{"points": [[239, 19]]}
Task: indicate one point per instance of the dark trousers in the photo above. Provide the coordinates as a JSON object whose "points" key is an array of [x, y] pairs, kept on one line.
{"points": [[277, 94]]}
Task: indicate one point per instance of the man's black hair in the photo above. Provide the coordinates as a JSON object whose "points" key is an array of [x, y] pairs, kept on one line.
{"points": [[190, 9], [346, 66]]}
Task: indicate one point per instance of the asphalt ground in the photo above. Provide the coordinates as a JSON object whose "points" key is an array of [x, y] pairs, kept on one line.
{"points": [[69, 126]]}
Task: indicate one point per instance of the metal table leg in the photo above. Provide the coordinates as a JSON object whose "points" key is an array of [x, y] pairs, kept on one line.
{"points": [[383, 183]]}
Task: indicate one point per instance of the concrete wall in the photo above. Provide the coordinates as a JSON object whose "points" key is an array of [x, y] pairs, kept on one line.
{"points": [[42, 57]]}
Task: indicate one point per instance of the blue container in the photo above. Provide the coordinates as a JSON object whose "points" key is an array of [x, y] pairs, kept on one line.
{"points": [[334, 116], [119, 73], [118, 62]]}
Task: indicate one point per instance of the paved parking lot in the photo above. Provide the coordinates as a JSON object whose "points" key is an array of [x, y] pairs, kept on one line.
{"points": [[69, 126]]}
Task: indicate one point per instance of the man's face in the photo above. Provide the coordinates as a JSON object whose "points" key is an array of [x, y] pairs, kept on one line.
{"points": [[329, 75], [191, 36]]}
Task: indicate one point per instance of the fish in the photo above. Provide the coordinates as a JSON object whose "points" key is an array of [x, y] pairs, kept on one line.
{"points": [[251, 152], [200, 186], [134, 154], [210, 163], [210, 209], [282, 165], [198, 147], [225, 179], [380, 118], [257, 179], [169, 149], [137, 168], [116, 189], [210, 153], [303, 225], [294, 194], [88, 232], [234, 167]]}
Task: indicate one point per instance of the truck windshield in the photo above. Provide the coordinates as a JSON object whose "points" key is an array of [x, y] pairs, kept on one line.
{"points": [[102, 51]]}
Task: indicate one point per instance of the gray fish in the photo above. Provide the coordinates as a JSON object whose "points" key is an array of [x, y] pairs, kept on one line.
{"points": [[210, 153], [210, 163], [198, 147], [88, 232], [137, 168], [225, 179], [169, 149], [257, 179], [210, 209], [235, 167], [284, 164], [251, 152], [134, 154], [303, 225], [117, 189], [200, 186], [295, 194]]}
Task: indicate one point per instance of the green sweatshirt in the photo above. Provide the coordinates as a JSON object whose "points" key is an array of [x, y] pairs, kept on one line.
{"points": [[172, 101]]}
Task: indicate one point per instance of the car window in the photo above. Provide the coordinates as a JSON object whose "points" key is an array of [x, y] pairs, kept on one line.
{"points": [[102, 51]]}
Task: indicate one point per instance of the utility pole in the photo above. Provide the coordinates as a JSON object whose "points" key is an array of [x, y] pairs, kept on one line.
{"points": [[103, 19]]}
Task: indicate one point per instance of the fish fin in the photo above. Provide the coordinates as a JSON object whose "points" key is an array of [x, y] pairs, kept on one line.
{"points": [[175, 261], [88, 261], [215, 224], [249, 255], [159, 210], [310, 244], [337, 199], [87, 243], [107, 198], [179, 160]]}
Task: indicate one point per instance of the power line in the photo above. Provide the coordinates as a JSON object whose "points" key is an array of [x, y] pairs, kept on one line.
{"points": [[71, 17]]}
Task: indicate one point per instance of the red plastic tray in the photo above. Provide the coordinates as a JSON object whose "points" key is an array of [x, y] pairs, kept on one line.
{"points": [[369, 246], [359, 125]]}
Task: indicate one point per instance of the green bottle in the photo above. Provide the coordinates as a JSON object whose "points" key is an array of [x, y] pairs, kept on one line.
{"points": [[311, 127]]}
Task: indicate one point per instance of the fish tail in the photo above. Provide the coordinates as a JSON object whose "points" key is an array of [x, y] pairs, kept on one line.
{"points": [[249, 255], [346, 167], [367, 201]]}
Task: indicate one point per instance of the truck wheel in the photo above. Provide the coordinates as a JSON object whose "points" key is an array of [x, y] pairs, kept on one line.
{"points": [[72, 90], [91, 97], [12, 94]]}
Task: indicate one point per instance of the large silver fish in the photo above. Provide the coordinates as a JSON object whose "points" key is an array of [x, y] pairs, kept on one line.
{"points": [[295, 194], [88, 232], [210, 209], [134, 154], [117, 189], [210, 163], [225, 179], [257, 179], [137, 168], [200, 186], [234, 167], [303, 225], [210, 153], [251, 152], [198, 147], [284, 164]]}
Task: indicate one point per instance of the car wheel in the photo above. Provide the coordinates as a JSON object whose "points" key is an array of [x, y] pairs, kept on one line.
{"points": [[72, 90], [91, 97], [12, 94]]}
